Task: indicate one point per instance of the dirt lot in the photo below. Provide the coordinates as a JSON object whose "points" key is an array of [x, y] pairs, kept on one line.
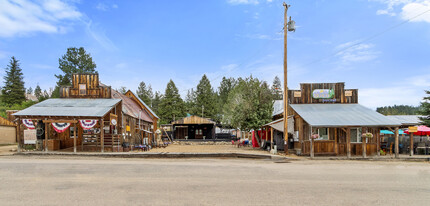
{"points": [[6, 149], [104, 181]]}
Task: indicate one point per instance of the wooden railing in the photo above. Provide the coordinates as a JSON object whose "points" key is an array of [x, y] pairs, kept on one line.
{"points": [[320, 147]]}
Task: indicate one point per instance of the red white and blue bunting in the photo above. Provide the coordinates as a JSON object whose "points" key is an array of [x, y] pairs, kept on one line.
{"points": [[28, 123], [87, 124], [60, 127]]}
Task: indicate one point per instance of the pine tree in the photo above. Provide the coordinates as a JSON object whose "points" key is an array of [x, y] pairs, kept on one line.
{"points": [[171, 107], [145, 93], [76, 60], [30, 90], [205, 99], [190, 101], [156, 102], [122, 90], [425, 109], [224, 89], [13, 91], [277, 89], [38, 92]]}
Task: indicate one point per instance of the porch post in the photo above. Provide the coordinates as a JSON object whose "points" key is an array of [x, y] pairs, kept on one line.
{"points": [[335, 142], [311, 143], [411, 145], [102, 136], [46, 136], [18, 134], [363, 141], [271, 138], [378, 142], [348, 142], [74, 139], [396, 140]]}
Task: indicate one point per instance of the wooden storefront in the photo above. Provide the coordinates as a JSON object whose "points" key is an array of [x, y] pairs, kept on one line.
{"points": [[194, 127]]}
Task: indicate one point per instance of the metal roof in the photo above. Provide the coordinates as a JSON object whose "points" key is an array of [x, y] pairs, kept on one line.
{"points": [[278, 107], [149, 108], [70, 107], [131, 107], [336, 115], [406, 119]]}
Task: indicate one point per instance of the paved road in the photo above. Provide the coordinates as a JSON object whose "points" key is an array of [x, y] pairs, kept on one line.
{"points": [[101, 181]]}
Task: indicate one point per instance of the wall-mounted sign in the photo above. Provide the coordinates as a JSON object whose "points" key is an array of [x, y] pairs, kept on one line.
{"points": [[323, 94], [297, 94], [30, 136], [348, 93], [412, 129], [127, 128], [113, 119]]}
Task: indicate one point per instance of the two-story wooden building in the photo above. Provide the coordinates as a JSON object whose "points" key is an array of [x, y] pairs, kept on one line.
{"points": [[332, 112], [90, 116]]}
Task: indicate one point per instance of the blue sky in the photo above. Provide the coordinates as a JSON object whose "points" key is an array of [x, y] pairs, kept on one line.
{"points": [[154, 41]]}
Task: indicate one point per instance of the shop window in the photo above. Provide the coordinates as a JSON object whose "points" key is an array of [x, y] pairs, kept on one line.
{"points": [[356, 135], [82, 89], [323, 133]]}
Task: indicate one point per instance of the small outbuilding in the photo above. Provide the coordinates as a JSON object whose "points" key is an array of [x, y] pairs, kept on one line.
{"points": [[194, 127], [7, 131]]}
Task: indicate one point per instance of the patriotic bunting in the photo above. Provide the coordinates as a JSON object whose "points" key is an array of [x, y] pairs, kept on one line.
{"points": [[60, 127], [28, 123], [87, 124]]}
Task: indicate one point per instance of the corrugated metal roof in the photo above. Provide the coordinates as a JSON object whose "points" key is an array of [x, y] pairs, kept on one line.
{"points": [[70, 107], [278, 107], [149, 108], [406, 119], [336, 115], [130, 107], [279, 124]]}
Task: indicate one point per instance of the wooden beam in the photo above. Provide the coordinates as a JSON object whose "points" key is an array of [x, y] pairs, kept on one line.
{"points": [[344, 130], [378, 142], [396, 143], [18, 134], [411, 144], [364, 145], [311, 143], [102, 135], [271, 138], [336, 150], [75, 137], [348, 142], [59, 121], [46, 137]]}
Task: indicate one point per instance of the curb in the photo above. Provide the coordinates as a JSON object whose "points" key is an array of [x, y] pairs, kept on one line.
{"points": [[157, 155]]}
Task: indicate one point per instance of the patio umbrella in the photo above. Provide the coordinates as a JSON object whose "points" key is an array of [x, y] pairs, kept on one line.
{"points": [[421, 131]]}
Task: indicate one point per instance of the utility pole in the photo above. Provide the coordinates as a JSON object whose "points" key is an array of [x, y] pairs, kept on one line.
{"points": [[288, 26]]}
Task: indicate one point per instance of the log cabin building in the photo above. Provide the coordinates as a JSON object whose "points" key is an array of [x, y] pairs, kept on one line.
{"points": [[193, 128], [332, 112], [90, 116]]}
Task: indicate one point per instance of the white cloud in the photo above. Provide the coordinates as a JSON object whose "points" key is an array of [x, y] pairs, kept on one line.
{"points": [[104, 7], [411, 10], [23, 17], [236, 2], [349, 52], [377, 97], [99, 35]]}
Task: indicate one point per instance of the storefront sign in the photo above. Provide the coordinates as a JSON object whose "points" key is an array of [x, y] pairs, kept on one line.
{"points": [[348, 93], [30, 136], [297, 94], [113, 119], [412, 129], [323, 94], [127, 128]]}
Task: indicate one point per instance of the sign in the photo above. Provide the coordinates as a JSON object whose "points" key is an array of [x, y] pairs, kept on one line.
{"points": [[113, 119], [323, 94], [348, 93], [127, 128], [30, 136], [412, 129], [297, 94]]}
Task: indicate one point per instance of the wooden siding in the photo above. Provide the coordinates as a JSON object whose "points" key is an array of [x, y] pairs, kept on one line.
{"points": [[193, 120], [5, 122], [307, 89], [93, 87]]}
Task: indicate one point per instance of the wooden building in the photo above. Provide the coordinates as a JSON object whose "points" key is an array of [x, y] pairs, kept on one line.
{"points": [[114, 118], [8, 131], [194, 127], [332, 112]]}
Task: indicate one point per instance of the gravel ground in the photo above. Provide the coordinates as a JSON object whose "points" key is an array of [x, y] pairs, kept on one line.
{"points": [[208, 149], [105, 181]]}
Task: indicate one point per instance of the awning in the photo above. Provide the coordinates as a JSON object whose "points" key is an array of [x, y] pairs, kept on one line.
{"points": [[279, 124], [342, 115], [70, 108], [390, 132]]}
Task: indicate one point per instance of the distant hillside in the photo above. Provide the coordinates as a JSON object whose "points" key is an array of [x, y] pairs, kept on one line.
{"points": [[399, 110]]}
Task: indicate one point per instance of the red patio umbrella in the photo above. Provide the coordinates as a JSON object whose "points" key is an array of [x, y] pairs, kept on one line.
{"points": [[421, 131]]}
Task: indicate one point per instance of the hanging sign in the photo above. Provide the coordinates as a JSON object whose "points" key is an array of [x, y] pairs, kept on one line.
{"points": [[113, 119], [323, 94], [87, 124], [60, 127], [412, 129], [28, 123]]}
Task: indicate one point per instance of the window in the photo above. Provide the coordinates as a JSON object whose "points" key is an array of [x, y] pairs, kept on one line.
{"points": [[82, 89], [323, 133], [356, 135]]}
